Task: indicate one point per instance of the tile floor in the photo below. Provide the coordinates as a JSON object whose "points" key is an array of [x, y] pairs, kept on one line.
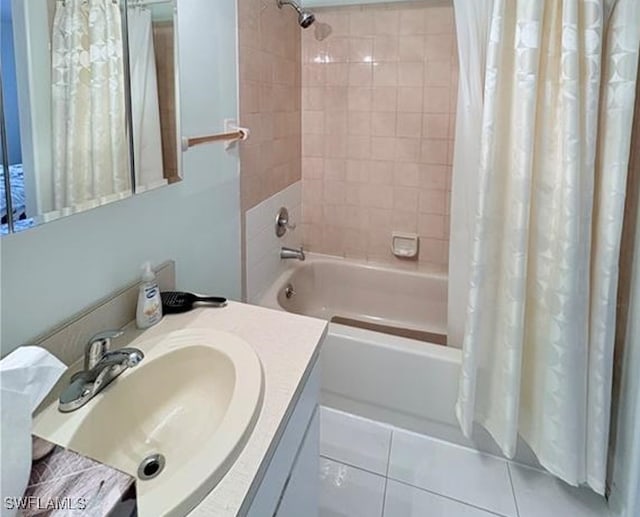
{"points": [[370, 469]]}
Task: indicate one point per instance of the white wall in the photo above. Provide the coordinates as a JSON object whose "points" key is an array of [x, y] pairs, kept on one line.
{"points": [[52, 271]]}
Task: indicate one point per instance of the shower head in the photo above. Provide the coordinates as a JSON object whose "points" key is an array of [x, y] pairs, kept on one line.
{"points": [[305, 17]]}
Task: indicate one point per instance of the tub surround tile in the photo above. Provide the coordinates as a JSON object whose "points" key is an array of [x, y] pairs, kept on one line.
{"points": [[394, 71], [453, 471], [270, 70], [346, 491], [354, 440], [538, 493], [263, 246], [406, 501]]}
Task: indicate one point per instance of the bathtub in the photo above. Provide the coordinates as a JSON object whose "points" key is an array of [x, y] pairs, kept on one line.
{"points": [[407, 382]]}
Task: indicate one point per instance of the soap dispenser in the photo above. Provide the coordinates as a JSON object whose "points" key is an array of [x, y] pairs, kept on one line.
{"points": [[149, 310]]}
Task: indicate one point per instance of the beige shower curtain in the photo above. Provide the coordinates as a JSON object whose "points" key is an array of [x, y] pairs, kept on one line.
{"points": [[558, 100], [145, 109], [90, 147]]}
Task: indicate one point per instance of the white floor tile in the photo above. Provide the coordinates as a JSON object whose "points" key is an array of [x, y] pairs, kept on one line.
{"points": [[354, 440], [539, 494], [463, 474], [349, 492], [405, 501]]}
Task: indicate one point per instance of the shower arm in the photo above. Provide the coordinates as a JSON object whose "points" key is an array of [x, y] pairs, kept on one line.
{"points": [[291, 3]]}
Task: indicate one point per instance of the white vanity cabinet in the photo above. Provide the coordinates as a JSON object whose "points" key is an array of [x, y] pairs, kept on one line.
{"points": [[289, 487], [300, 496]]}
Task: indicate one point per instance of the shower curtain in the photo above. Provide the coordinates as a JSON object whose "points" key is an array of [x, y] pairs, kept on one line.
{"points": [[559, 88], [147, 139], [472, 27], [90, 149]]}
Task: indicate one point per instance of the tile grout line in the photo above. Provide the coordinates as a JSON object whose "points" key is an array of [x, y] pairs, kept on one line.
{"points": [[386, 476], [347, 464], [466, 503], [513, 490]]}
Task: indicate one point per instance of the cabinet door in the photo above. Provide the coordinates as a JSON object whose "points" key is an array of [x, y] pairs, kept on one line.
{"points": [[300, 496]]}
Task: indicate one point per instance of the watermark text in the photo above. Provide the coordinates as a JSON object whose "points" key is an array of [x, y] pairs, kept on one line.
{"points": [[42, 503]]}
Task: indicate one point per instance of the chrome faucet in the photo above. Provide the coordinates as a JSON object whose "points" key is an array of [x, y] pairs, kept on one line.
{"points": [[291, 253], [101, 367]]}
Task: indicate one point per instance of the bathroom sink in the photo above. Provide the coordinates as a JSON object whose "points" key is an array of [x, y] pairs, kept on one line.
{"points": [[176, 422]]}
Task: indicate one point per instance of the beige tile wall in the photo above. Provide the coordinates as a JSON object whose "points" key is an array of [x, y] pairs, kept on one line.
{"points": [[270, 68], [378, 114], [163, 42]]}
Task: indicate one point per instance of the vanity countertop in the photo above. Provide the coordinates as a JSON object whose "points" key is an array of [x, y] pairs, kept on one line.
{"points": [[288, 346]]}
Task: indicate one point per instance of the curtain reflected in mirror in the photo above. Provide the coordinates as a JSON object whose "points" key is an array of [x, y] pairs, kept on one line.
{"points": [[93, 97], [90, 148], [151, 54]]}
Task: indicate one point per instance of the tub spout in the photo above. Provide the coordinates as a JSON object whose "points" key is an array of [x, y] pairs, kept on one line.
{"points": [[291, 253]]}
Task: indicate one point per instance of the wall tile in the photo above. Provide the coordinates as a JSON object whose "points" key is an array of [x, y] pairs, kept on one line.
{"points": [[386, 21], [409, 125], [262, 246], [359, 98], [270, 70], [385, 48], [383, 123], [412, 21], [361, 49], [411, 48], [361, 23], [385, 80], [385, 74], [410, 99], [411, 74], [384, 98], [359, 123]]}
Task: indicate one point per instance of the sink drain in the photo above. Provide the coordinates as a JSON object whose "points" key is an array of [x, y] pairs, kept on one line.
{"points": [[151, 466]]}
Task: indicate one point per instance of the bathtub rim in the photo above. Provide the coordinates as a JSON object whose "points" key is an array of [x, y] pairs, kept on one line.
{"points": [[424, 349]]}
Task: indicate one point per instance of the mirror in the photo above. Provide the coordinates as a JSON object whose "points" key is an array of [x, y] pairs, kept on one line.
{"points": [[90, 104], [153, 61]]}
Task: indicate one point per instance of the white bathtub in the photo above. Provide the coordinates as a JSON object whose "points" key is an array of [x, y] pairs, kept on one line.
{"points": [[405, 382]]}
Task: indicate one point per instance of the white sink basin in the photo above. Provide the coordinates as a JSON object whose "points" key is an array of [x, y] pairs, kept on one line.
{"points": [[193, 400]]}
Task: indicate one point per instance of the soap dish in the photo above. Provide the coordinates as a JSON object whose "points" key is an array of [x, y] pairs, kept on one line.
{"points": [[404, 245]]}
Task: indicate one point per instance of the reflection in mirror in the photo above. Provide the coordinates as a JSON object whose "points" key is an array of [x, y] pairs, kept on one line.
{"points": [[90, 150], [95, 101], [71, 100], [153, 63], [6, 208], [13, 201]]}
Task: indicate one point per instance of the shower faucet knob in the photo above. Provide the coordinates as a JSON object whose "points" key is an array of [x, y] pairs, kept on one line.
{"points": [[283, 223]]}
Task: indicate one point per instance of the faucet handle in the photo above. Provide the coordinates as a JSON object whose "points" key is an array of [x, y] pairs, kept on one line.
{"points": [[98, 346], [283, 223]]}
